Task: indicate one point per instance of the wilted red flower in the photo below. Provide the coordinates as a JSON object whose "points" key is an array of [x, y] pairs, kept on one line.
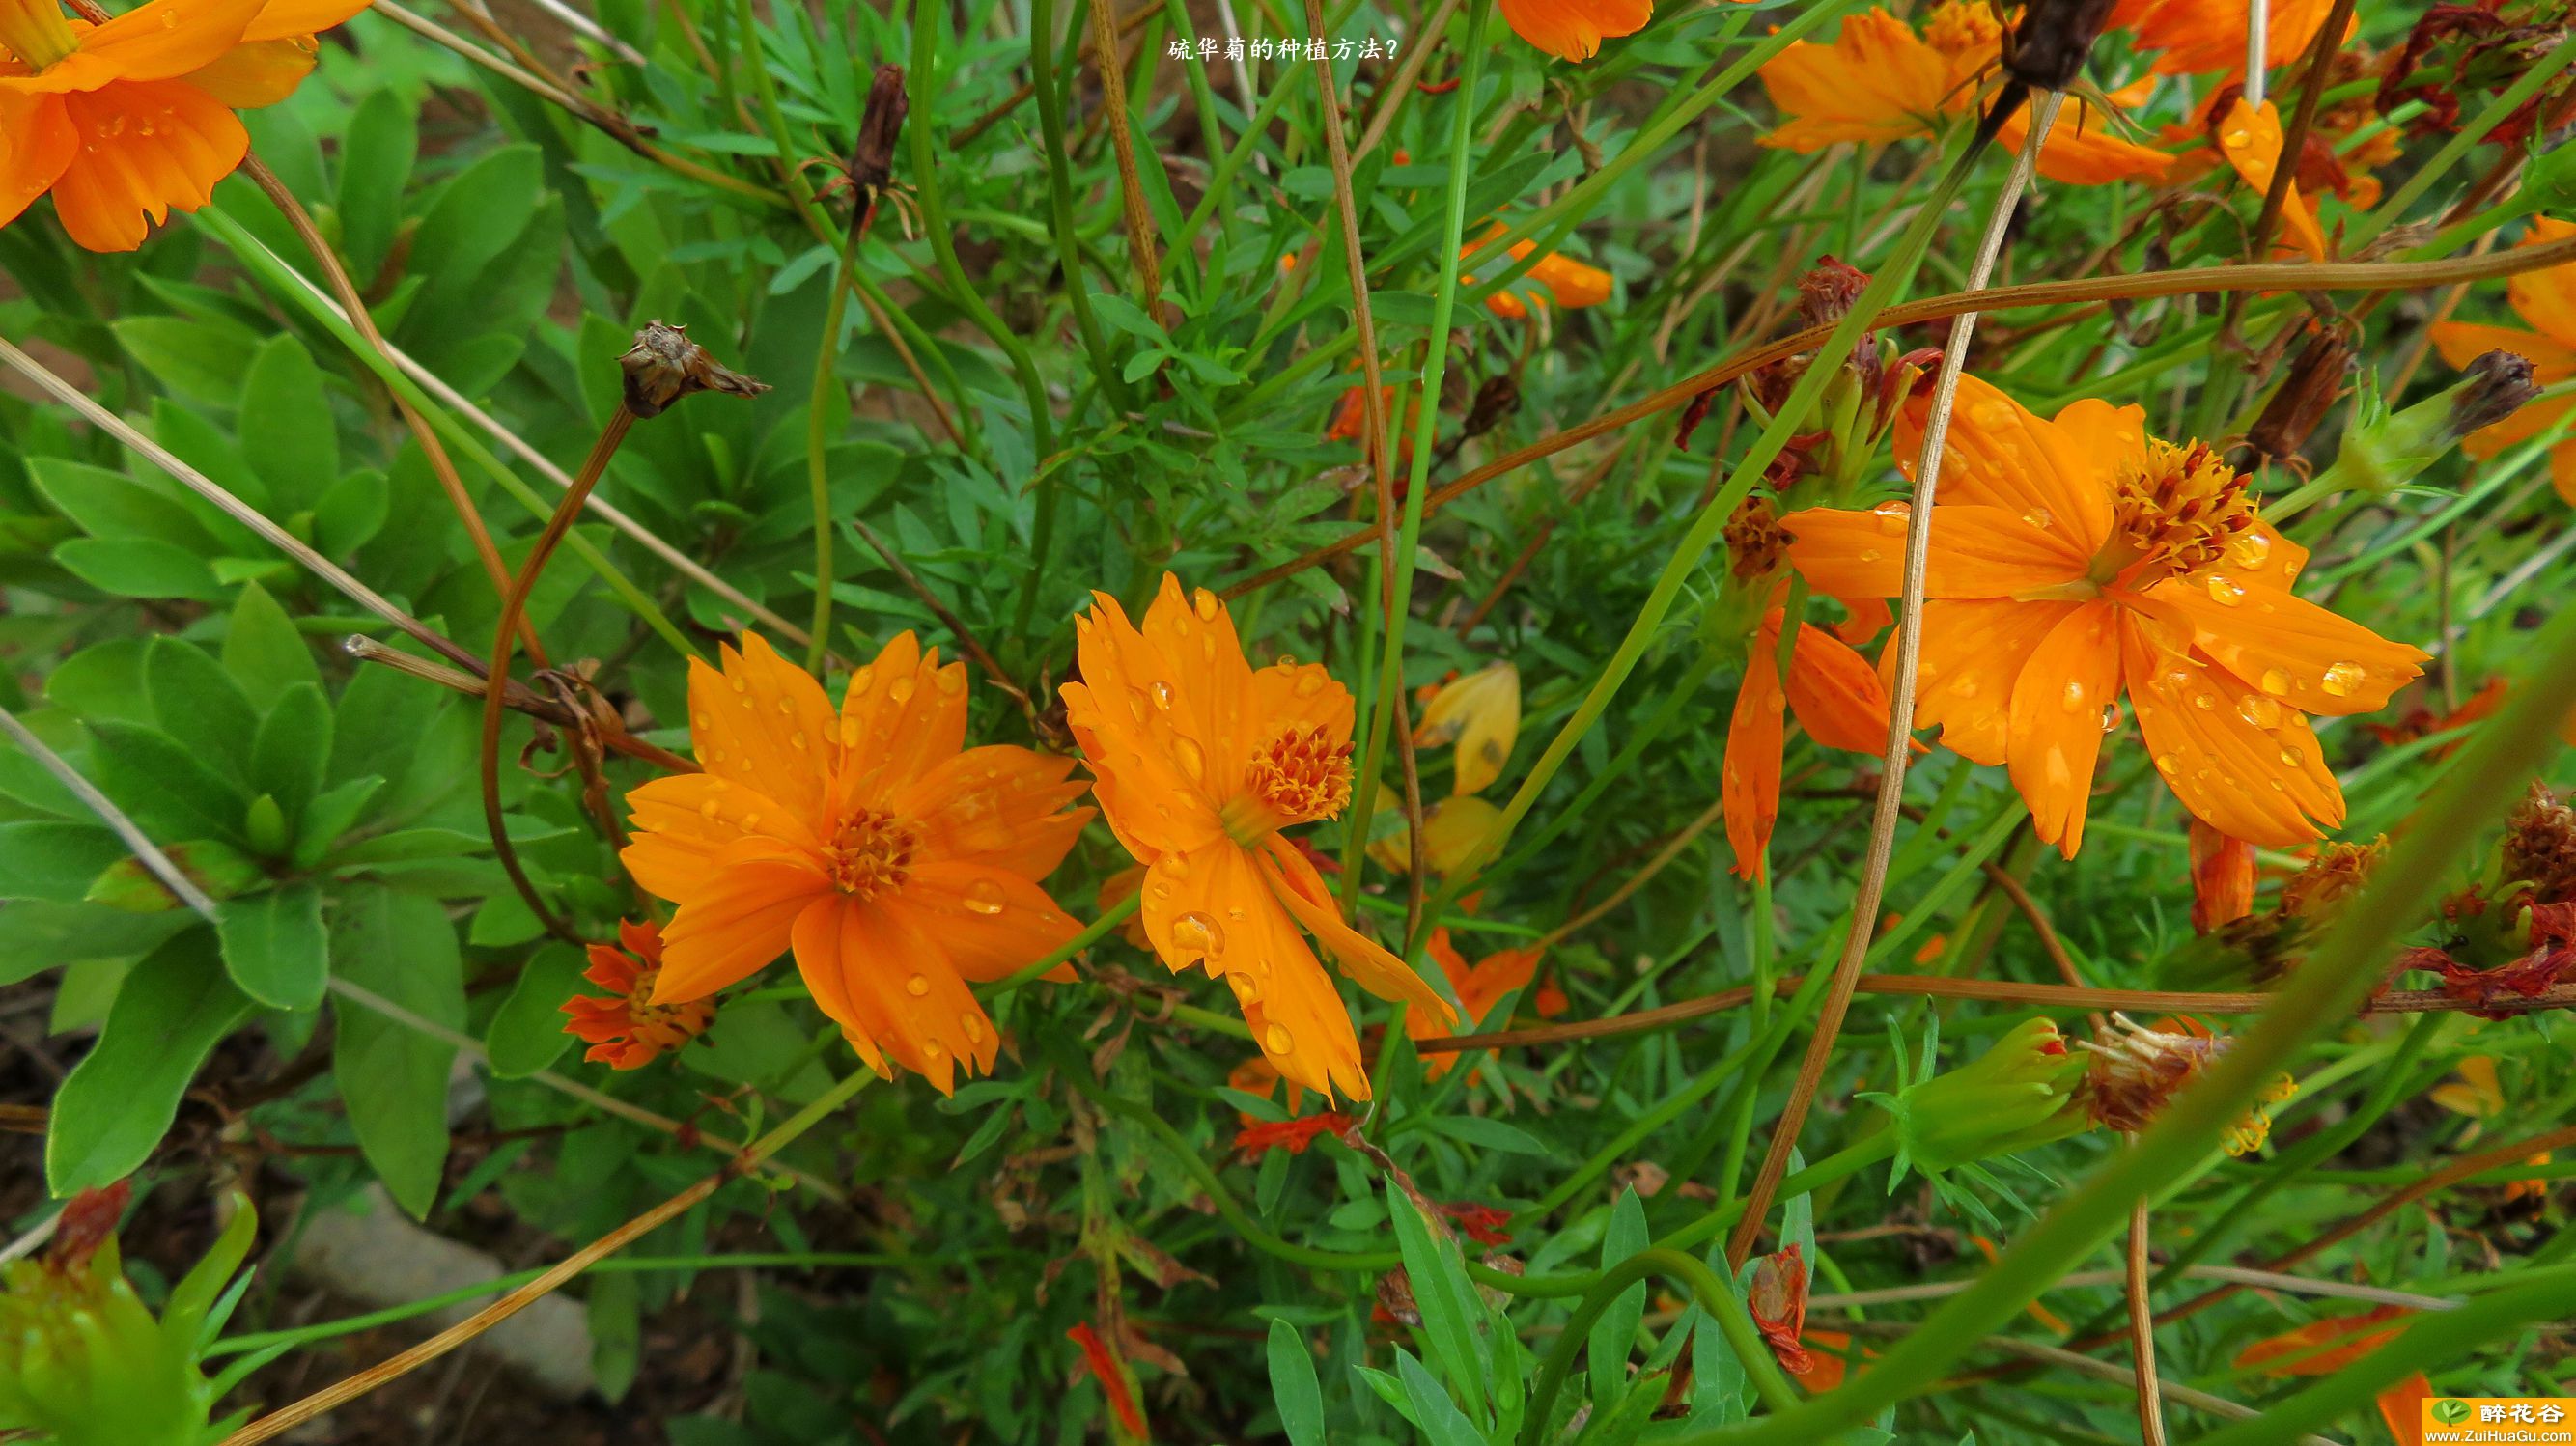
{"points": [[2222, 878], [1778, 1301], [1480, 1223], [627, 1030], [1112, 1377], [1294, 1136]]}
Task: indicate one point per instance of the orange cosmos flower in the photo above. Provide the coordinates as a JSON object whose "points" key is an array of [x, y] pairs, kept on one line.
{"points": [[1879, 81], [2209, 36], [2546, 302], [2323, 1347], [2250, 138], [2078, 560], [1481, 713], [1569, 283], [1839, 700], [1574, 29], [897, 864], [2222, 878], [1199, 762], [1480, 988], [133, 119], [628, 1030]]}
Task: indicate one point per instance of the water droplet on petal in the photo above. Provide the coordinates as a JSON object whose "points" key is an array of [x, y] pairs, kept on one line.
{"points": [[2258, 710], [1278, 1040], [2275, 681], [2341, 679], [1172, 865], [742, 685], [1199, 936], [1246, 989], [1869, 554], [2250, 549], [1203, 602], [2168, 763], [973, 1026], [2038, 517], [951, 680], [2205, 702], [799, 742], [2075, 696], [917, 986], [1162, 695], [984, 896], [708, 810], [1310, 685], [849, 733], [2225, 591], [1193, 762], [2293, 757], [900, 690]]}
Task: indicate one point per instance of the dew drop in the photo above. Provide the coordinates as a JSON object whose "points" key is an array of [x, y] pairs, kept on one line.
{"points": [[1193, 761], [2341, 678], [701, 721], [1964, 686], [1278, 1040], [749, 820], [2250, 549], [1162, 695], [1310, 685], [849, 733], [2205, 702], [1869, 554], [900, 690], [2258, 710], [2110, 717], [2227, 592], [1136, 703], [984, 896], [2294, 757], [951, 680], [1246, 989], [917, 986], [2168, 763], [2075, 696], [2038, 517], [708, 810], [973, 1026], [2275, 681], [1197, 934], [1287, 660], [742, 685], [1203, 602], [931, 1051], [2237, 140], [862, 680], [799, 742]]}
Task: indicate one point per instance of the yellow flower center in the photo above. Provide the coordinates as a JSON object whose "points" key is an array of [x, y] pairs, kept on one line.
{"points": [[35, 32], [669, 1024], [869, 853], [1960, 27], [2175, 509], [1299, 776], [1755, 543]]}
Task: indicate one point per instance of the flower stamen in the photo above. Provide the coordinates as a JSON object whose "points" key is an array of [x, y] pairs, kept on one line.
{"points": [[869, 853], [2175, 509], [1299, 776]]}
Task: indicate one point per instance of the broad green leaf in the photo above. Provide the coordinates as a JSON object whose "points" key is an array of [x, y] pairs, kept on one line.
{"points": [[119, 1100], [284, 406], [527, 1032], [393, 1079], [195, 699], [352, 512], [375, 160], [331, 814], [263, 650], [140, 567], [35, 936], [217, 869], [1293, 1386], [115, 507], [293, 747], [1444, 1295], [1615, 1332], [162, 784], [200, 359], [53, 860], [616, 1333], [274, 946]]}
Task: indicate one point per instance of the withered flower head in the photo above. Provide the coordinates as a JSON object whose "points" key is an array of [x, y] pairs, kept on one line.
{"points": [[2316, 379], [2048, 49], [2493, 387], [2336, 873], [2137, 1071], [2540, 847], [1755, 543], [880, 124], [664, 366]]}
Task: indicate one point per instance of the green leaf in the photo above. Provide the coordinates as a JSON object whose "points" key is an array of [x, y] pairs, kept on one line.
{"points": [[119, 1101], [352, 512], [527, 1032], [503, 920], [1615, 1331], [616, 1333], [53, 860], [331, 814], [1293, 1386], [1444, 1295], [264, 651], [375, 161], [217, 869], [194, 698], [139, 567], [293, 746], [1490, 1134], [274, 946], [162, 785], [1442, 1423], [393, 1080], [201, 359], [284, 407], [34, 937], [115, 507]]}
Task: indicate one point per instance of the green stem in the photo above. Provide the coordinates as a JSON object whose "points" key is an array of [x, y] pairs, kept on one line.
{"points": [[1110, 918], [1715, 1296], [1395, 573], [1059, 151], [822, 409], [2455, 150]]}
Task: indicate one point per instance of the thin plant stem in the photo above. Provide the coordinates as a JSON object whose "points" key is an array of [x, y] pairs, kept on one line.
{"points": [[1105, 46], [2142, 1326], [827, 405]]}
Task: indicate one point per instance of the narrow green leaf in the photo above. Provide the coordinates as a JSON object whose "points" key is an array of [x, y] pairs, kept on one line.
{"points": [[393, 1079], [1444, 1295], [292, 748], [120, 1099], [1615, 1333], [263, 650], [1293, 1386]]}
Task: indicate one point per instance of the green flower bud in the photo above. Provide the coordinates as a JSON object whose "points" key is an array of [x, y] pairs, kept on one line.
{"points": [[83, 1362], [2385, 450], [2020, 1093]]}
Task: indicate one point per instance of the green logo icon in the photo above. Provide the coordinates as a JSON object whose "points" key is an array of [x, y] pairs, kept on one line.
{"points": [[2451, 1413]]}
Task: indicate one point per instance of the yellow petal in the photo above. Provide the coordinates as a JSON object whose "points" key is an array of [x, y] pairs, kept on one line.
{"points": [[1481, 713]]}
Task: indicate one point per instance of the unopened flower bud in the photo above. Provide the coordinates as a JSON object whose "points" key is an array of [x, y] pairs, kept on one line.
{"points": [[2300, 403], [2049, 48], [2022, 1092], [2386, 450], [664, 366], [880, 125], [2335, 874], [2540, 847]]}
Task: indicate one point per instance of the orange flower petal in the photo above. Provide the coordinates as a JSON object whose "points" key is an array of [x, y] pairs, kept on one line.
{"points": [[1297, 885], [2222, 878], [1877, 81], [2054, 474], [1835, 692], [2209, 36], [1977, 552], [1973, 652], [734, 927], [1220, 912], [901, 990], [255, 73], [281, 19], [991, 923], [2462, 342], [2250, 138], [2298, 1352], [764, 724], [147, 149], [903, 716], [687, 822], [2315, 660], [2056, 720], [997, 806], [2239, 760], [1574, 29], [2547, 299], [1135, 744], [2261, 557], [39, 148], [161, 40], [2083, 153], [1749, 783], [2401, 1406]]}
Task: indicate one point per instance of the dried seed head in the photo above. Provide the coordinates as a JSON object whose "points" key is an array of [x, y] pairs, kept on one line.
{"points": [[2316, 379], [880, 125], [2048, 49], [664, 366], [2494, 387], [2137, 1071], [2540, 847], [1755, 543], [2336, 873]]}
